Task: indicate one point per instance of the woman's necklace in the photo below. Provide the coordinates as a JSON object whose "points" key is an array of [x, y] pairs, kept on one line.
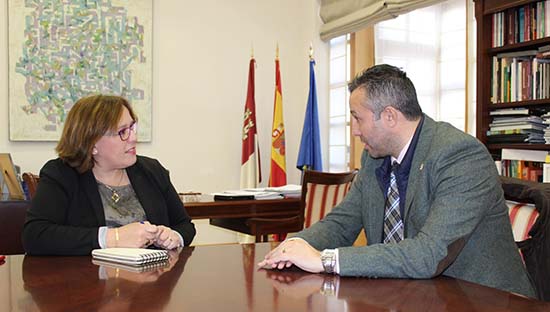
{"points": [[114, 194]]}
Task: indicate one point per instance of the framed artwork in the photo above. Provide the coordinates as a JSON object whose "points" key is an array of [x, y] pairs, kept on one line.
{"points": [[60, 51]]}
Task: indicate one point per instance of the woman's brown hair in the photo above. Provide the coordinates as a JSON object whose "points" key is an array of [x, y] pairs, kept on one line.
{"points": [[88, 120]]}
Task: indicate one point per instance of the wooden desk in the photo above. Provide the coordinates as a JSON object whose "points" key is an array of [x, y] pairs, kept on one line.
{"points": [[208, 208], [232, 214], [225, 278]]}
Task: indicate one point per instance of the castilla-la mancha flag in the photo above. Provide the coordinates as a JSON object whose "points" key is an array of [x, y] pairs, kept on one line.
{"points": [[251, 174], [278, 162]]}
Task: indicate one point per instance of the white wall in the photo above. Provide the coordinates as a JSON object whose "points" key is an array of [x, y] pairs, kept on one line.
{"points": [[201, 51]]}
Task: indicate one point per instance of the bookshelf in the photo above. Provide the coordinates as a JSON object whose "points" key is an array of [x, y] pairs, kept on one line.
{"points": [[485, 10]]}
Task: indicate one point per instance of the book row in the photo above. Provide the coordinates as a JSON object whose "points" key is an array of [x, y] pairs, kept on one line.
{"points": [[528, 22], [521, 76], [521, 169]]}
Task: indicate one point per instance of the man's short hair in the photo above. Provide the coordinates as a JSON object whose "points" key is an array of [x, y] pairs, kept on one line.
{"points": [[387, 85]]}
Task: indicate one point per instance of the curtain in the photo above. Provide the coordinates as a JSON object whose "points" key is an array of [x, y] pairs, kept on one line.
{"points": [[429, 44], [346, 16]]}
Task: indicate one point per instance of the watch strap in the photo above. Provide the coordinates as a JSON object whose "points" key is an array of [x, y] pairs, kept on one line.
{"points": [[328, 259]]}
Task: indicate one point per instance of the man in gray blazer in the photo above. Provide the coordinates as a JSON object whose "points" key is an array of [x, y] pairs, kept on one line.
{"points": [[428, 197]]}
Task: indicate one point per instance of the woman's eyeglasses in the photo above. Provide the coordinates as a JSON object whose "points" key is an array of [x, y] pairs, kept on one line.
{"points": [[124, 133]]}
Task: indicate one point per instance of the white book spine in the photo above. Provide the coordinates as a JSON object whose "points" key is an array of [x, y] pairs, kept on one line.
{"points": [[498, 164], [513, 80], [545, 173], [496, 81]]}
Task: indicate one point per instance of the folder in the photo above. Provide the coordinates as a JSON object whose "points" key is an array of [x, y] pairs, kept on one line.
{"points": [[232, 197]]}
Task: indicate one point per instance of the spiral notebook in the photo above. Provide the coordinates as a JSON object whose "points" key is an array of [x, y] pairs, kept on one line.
{"points": [[130, 256]]}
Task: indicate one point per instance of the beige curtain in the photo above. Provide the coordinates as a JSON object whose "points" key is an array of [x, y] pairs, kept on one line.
{"points": [[346, 16]]}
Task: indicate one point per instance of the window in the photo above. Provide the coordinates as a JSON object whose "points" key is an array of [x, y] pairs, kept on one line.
{"points": [[339, 126], [430, 45]]}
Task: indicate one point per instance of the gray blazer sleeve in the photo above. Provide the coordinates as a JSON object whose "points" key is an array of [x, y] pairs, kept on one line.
{"points": [[342, 225]]}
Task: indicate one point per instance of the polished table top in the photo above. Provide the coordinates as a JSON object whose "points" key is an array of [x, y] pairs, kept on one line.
{"points": [[225, 278]]}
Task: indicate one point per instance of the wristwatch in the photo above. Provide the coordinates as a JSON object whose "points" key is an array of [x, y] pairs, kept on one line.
{"points": [[328, 259]]}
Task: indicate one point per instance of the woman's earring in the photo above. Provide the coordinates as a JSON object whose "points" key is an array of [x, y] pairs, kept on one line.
{"points": [[94, 151]]}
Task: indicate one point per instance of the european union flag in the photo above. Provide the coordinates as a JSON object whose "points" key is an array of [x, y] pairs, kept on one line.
{"points": [[309, 156]]}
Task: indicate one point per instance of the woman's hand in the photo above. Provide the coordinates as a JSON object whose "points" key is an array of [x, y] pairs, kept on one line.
{"points": [[137, 234], [167, 238]]}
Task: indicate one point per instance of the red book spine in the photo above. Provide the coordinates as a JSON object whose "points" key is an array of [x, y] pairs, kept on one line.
{"points": [[510, 26], [527, 22]]}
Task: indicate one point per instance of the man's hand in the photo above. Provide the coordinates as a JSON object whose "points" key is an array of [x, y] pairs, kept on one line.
{"points": [[294, 251]]}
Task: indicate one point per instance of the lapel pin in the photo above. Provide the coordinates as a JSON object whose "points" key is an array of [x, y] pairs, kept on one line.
{"points": [[421, 166]]}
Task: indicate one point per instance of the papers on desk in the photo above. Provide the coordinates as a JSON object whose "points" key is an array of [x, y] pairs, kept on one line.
{"points": [[246, 195], [289, 190]]}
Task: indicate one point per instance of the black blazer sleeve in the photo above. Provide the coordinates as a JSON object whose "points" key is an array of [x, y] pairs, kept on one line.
{"points": [[61, 221]]}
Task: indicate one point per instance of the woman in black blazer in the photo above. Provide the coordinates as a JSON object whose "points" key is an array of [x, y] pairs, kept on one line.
{"points": [[99, 193]]}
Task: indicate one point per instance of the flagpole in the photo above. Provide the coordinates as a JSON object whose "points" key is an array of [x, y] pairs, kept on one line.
{"points": [[305, 166]]}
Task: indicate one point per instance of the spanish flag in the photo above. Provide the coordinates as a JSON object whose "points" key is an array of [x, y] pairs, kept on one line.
{"points": [[278, 162]]}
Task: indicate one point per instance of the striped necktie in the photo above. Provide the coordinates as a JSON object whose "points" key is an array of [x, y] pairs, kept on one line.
{"points": [[393, 223]]}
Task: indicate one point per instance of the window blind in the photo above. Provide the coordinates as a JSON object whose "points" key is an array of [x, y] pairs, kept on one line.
{"points": [[346, 16]]}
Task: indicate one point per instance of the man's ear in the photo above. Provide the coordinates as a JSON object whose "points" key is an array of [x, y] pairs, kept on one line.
{"points": [[389, 114]]}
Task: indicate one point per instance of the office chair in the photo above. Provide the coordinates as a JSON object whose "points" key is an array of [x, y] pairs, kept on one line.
{"points": [[530, 219], [321, 191], [522, 218], [31, 180], [12, 219]]}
